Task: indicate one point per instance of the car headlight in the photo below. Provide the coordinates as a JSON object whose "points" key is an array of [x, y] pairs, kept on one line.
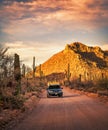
{"points": [[50, 91]]}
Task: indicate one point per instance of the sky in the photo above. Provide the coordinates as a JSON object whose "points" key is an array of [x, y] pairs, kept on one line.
{"points": [[42, 28]]}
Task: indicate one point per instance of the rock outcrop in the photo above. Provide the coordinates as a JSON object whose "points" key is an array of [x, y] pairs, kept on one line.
{"points": [[88, 62]]}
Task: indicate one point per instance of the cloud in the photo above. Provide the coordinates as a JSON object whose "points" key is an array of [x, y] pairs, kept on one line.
{"points": [[81, 12], [49, 21], [26, 51], [104, 47]]}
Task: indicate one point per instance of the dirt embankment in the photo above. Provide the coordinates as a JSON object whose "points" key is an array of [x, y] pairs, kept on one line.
{"points": [[100, 96], [9, 117]]}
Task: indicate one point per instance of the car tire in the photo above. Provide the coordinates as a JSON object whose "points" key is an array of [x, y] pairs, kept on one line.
{"points": [[60, 95], [48, 96]]}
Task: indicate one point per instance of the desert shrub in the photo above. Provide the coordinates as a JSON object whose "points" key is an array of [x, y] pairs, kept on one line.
{"points": [[13, 102], [102, 84], [91, 89], [16, 102], [1, 105]]}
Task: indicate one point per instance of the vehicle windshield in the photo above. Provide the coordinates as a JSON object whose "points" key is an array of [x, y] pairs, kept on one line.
{"points": [[54, 87]]}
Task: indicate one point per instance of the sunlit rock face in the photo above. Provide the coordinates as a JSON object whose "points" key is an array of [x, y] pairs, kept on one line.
{"points": [[89, 62]]}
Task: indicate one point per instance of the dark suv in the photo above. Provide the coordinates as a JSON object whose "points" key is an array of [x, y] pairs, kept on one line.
{"points": [[54, 90]]}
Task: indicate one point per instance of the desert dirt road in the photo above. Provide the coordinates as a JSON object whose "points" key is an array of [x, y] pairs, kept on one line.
{"points": [[72, 112]]}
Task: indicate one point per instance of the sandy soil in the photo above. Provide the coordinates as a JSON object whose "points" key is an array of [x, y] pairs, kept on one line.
{"points": [[75, 111]]}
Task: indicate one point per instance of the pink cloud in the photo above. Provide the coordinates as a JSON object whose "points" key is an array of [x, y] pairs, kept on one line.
{"points": [[67, 13]]}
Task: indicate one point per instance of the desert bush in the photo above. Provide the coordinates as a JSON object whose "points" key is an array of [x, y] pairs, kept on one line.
{"points": [[16, 102], [12, 102], [102, 84], [91, 89]]}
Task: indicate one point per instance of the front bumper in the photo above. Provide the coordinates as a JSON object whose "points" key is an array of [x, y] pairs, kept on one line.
{"points": [[55, 93]]}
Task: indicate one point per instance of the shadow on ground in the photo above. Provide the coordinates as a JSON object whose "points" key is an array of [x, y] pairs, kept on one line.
{"points": [[65, 96]]}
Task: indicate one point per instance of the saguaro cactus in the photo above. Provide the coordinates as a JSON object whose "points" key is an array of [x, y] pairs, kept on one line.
{"points": [[23, 70], [80, 77], [40, 74], [17, 72], [102, 75], [34, 67], [68, 74]]}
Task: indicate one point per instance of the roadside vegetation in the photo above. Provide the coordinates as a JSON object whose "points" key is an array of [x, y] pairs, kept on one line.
{"points": [[18, 93], [99, 86]]}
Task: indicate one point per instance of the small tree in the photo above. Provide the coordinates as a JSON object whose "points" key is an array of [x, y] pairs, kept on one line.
{"points": [[6, 66]]}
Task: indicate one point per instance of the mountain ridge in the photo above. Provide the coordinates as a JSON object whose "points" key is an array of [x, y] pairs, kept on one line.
{"points": [[82, 59]]}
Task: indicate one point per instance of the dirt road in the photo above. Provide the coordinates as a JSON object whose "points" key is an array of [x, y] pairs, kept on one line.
{"points": [[72, 112]]}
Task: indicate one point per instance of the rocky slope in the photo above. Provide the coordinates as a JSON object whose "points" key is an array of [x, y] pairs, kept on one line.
{"points": [[90, 62]]}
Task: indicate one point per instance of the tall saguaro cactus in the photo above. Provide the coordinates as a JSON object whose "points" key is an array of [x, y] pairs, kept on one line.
{"points": [[40, 74], [17, 72], [80, 77], [23, 70], [40, 71], [34, 67], [68, 74]]}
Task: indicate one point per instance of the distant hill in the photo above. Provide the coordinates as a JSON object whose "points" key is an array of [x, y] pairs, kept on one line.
{"points": [[90, 62]]}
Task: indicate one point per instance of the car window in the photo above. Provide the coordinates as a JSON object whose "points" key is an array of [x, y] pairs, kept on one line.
{"points": [[54, 87]]}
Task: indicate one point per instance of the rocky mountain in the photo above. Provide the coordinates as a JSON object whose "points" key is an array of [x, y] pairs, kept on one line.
{"points": [[90, 62]]}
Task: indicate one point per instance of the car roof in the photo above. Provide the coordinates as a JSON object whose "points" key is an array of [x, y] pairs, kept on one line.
{"points": [[53, 83], [54, 86]]}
